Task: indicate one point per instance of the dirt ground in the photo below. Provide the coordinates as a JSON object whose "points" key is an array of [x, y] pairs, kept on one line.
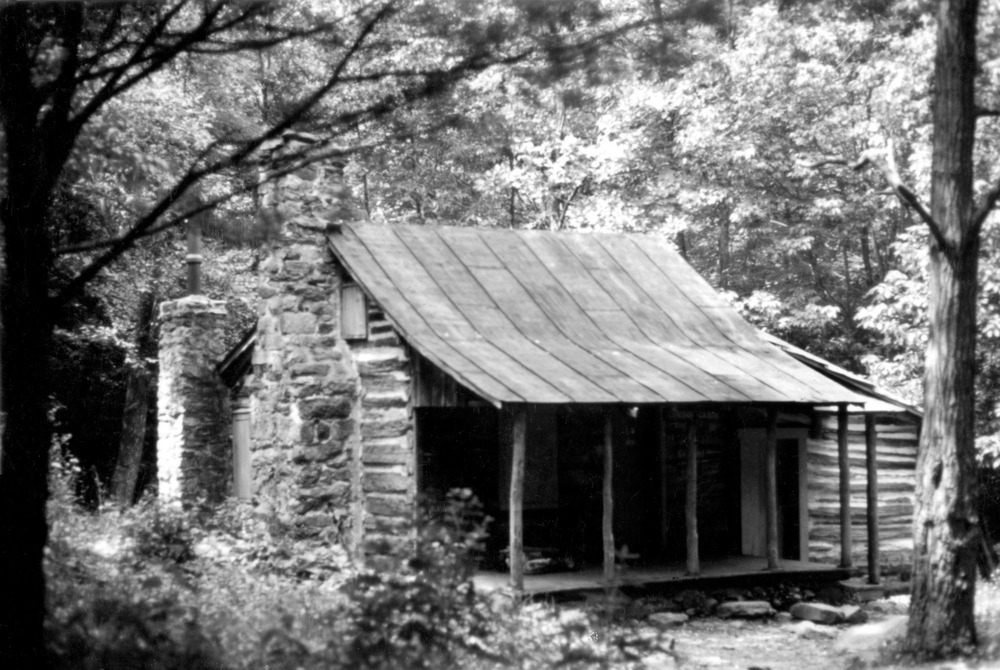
{"points": [[784, 644]]}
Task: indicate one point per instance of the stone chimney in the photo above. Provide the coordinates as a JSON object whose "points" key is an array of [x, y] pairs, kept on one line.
{"points": [[305, 403], [193, 443]]}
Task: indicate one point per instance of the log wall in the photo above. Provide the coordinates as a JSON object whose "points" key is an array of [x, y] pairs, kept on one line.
{"points": [[896, 442]]}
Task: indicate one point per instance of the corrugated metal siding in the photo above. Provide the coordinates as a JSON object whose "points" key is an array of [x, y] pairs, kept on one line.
{"points": [[541, 317]]}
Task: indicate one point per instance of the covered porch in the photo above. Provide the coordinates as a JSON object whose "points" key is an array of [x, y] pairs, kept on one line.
{"points": [[715, 573], [658, 494]]}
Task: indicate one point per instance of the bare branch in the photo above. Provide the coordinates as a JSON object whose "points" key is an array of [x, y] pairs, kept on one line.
{"points": [[989, 202], [238, 157], [884, 161], [836, 160]]}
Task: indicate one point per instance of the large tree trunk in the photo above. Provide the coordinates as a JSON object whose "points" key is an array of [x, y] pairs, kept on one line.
{"points": [[137, 394], [23, 481], [946, 532]]}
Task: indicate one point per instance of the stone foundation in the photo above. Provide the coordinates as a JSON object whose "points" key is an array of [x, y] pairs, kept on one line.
{"points": [[193, 448]]}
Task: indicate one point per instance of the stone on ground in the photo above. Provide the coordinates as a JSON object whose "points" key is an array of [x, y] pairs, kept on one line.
{"points": [[745, 609], [667, 619], [853, 614], [818, 612]]}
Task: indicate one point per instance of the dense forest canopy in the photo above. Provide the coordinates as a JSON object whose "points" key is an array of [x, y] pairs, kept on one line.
{"points": [[710, 122], [698, 127], [701, 128]]}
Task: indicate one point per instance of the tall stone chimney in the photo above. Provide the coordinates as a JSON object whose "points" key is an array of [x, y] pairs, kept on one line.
{"points": [[304, 406]]}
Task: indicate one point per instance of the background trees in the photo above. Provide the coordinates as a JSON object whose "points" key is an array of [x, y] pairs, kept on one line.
{"points": [[121, 120], [700, 122]]}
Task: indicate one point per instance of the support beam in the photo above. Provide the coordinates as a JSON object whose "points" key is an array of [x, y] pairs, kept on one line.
{"points": [[241, 448], [691, 498], [771, 488], [871, 463], [517, 437], [843, 461], [664, 473], [608, 508]]}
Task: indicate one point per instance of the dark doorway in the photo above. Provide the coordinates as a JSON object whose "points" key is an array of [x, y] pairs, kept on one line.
{"points": [[787, 467]]}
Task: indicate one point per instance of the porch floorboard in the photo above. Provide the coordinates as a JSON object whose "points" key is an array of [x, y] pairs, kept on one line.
{"points": [[715, 573]]}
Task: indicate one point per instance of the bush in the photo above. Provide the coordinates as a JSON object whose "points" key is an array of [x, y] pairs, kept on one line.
{"points": [[418, 616], [115, 634], [162, 532]]}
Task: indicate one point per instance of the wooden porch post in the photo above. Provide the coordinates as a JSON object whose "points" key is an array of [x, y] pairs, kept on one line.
{"points": [[664, 471], [771, 488], [517, 501], [691, 498], [871, 463], [843, 460], [608, 509]]}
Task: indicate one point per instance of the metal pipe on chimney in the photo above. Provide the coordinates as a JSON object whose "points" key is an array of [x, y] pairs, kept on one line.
{"points": [[194, 257]]}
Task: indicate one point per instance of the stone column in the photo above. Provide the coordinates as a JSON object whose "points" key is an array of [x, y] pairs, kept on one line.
{"points": [[193, 446], [305, 412]]}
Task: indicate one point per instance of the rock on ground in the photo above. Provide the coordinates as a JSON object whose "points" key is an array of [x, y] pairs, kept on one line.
{"points": [[745, 609], [818, 613], [668, 618]]}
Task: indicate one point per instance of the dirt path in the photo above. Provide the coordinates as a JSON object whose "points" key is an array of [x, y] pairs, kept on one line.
{"points": [[721, 645]]}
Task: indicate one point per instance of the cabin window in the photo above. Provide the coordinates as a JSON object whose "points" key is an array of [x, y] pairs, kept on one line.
{"points": [[353, 312]]}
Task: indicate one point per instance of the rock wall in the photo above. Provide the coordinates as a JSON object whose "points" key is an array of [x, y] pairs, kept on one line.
{"points": [[896, 445], [193, 447], [305, 387], [332, 443]]}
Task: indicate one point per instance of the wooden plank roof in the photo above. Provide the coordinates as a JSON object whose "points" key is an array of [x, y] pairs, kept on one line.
{"points": [[532, 316]]}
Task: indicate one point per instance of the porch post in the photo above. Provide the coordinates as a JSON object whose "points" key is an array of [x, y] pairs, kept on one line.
{"points": [[691, 499], [771, 487], [845, 487], [517, 501], [871, 462], [607, 521], [664, 471]]}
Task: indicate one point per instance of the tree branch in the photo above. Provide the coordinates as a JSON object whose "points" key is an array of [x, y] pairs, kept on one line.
{"points": [[194, 174], [884, 161], [983, 211]]}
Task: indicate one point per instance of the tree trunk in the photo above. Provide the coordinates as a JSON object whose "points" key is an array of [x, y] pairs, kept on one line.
{"points": [[724, 250], [866, 255], [946, 531], [137, 393], [24, 478]]}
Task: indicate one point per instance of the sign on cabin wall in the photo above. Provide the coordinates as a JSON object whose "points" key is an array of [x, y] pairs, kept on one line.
{"points": [[541, 459]]}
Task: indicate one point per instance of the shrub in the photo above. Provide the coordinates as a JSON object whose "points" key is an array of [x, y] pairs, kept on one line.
{"points": [[418, 616], [115, 634], [162, 532]]}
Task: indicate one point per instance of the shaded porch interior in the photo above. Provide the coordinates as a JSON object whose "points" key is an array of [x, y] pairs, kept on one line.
{"points": [[470, 446]]}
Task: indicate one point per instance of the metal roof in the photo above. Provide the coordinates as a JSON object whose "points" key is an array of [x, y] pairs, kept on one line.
{"points": [[879, 400], [527, 316]]}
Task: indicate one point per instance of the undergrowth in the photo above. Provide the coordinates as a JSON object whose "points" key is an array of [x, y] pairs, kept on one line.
{"points": [[155, 587]]}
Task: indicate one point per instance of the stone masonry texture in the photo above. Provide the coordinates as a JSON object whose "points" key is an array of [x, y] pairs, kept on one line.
{"points": [[332, 430], [193, 449]]}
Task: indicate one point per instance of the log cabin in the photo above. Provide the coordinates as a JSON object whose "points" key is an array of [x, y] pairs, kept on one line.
{"points": [[599, 398]]}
